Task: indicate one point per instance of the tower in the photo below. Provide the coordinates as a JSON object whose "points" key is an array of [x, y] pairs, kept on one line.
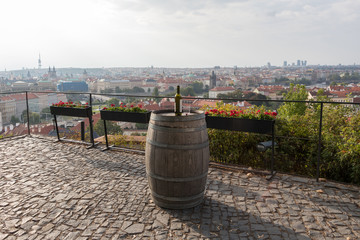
{"points": [[52, 73], [39, 62], [212, 80]]}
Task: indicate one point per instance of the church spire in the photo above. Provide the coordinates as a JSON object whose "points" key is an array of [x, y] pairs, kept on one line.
{"points": [[39, 62]]}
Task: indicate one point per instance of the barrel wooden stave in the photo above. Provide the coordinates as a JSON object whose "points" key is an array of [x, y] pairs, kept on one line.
{"points": [[177, 158]]}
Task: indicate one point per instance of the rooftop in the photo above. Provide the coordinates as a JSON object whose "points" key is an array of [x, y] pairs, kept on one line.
{"points": [[65, 191]]}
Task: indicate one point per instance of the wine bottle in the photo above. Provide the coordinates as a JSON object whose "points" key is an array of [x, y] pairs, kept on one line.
{"points": [[178, 102]]}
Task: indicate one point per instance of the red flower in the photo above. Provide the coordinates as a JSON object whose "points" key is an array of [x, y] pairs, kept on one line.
{"points": [[112, 105]]}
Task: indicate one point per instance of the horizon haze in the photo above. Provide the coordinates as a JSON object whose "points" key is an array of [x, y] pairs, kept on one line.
{"points": [[178, 34]]}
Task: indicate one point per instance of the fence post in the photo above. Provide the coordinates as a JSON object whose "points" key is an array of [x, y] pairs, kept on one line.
{"points": [[27, 112], [82, 130], [319, 144]]}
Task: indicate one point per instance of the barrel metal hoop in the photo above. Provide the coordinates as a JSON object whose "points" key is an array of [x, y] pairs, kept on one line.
{"points": [[177, 130], [178, 147], [157, 116], [178, 199], [172, 179]]}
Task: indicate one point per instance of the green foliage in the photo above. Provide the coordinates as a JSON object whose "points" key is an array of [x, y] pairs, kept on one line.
{"points": [[289, 109], [237, 94], [345, 78], [111, 128], [45, 112], [134, 90], [156, 93], [141, 125], [14, 120], [114, 101], [297, 144], [235, 147], [257, 96], [198, 87], [188, 91], [34, 117], [126, 141]]}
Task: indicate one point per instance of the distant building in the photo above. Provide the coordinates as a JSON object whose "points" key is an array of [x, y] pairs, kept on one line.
{"points": [[212, 80], [39, 62], [273, 92], [72, 86], [103, 84], [214, 92], [52, 73], [7, 108], [20, 86], [285, 64], [46, 85]]}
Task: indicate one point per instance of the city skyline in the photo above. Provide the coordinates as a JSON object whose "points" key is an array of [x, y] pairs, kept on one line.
{"points": [[177, 34]]}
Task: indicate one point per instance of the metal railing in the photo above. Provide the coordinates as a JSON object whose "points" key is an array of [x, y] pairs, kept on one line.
{"points": [[91, 95]]}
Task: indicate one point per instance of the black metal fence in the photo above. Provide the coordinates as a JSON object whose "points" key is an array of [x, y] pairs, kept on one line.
{"points": [[90, 97]]}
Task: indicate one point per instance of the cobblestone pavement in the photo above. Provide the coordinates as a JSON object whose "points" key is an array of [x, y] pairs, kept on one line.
{"points": [[64, 191]]}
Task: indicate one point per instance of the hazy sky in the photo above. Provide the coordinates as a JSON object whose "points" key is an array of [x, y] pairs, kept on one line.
{"points": [[177, 33]]}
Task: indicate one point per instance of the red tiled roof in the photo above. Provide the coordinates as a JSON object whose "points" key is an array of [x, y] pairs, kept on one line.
{"points": [[5, 98], [340, 94], [270, 89], [95, 117], [200, 103], [152, 107]]}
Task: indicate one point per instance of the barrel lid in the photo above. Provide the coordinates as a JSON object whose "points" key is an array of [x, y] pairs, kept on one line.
{"points": [[169, 115]]}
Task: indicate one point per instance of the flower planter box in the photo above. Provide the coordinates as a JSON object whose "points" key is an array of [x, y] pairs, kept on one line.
{"points": [[136, 117], [238, 124], [72, 112]]}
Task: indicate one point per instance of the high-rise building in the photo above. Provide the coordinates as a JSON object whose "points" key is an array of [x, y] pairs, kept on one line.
{"points": [[298, 63], [285, 63]]}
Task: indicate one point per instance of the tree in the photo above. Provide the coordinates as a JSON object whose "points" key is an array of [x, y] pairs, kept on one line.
{"points": [[34, 117], [197, 86], [44, 113], [156, 94], [114, 101], [171, 88], [296, 93], [14, 120], [138, 90], [111, 127], [257, 96], [188, 91]]}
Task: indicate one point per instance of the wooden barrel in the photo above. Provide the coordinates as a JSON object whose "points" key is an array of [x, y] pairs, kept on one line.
{"points": [[177, 158]]}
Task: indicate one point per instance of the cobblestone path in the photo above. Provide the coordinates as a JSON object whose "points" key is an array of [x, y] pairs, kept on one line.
{"points": [[64, 191]]}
